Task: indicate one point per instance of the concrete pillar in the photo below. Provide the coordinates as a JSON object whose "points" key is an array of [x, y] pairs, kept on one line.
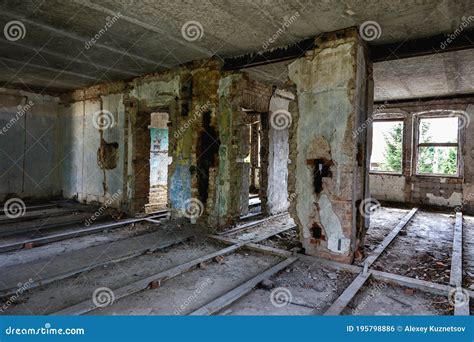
{"points": [[277, 193], [328, 168]]}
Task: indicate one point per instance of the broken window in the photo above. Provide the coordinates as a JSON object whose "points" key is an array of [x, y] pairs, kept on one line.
{"points": [[387, 146], [438, 146]]}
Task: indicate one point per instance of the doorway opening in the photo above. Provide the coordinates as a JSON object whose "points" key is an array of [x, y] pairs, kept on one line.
{"points": [[158, 193]]}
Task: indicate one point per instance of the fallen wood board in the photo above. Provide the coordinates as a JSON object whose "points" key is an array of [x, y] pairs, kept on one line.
{"points": [[152, 220], [32, 207], [389, 238], [232, 296], [15, 229], [63, 236], [251, 224], [74, 262], [269, 234], [28, 216], [456, 257], [341, 302], [245, 217], [283, 253], [423, 285], [88, 305]]}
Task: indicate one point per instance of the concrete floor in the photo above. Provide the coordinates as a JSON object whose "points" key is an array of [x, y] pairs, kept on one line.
{"points": [[421, 251]]}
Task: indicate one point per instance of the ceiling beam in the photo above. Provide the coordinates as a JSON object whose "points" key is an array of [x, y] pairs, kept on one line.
{"points": [[469, 96], [424, 46], [378, 53], [280, 54]]}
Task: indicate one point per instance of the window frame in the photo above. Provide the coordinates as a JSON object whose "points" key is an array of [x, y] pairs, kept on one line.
{"points": [[389, 118], [436, 114]]}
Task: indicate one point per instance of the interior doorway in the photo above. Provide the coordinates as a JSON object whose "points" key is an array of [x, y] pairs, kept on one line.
{"points": [[158, 193]]}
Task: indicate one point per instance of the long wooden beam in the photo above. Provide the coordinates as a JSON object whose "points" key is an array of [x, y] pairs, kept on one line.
{"points": [[456, 257], [87, 259], [251, 224], [341, 302], [238, 292], [76, 233], [87, 305], [140, 285], [388, 239]]}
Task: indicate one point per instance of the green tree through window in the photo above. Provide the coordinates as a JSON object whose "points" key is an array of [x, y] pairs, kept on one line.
{"points": [[393, 149], [438, 146]]}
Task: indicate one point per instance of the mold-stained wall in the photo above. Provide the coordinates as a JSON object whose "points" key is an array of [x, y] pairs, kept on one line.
{"points": [[200, 100], [327, 163]]}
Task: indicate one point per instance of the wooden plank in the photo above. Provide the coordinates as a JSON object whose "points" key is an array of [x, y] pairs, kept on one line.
{"points": [[13, 230], [456, 257], [88, 305], [263, 237], [74, 262], [152, 220], [32, 207], [388, 239], [423, 285], [283, 253], [238, 292], [341, 302], [245, 217], [307, 258], [250, 224], [63, 236], [257, 239], [76, 233], [33, 215]]}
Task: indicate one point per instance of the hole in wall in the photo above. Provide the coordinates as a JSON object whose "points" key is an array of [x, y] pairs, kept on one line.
{"points": [[321, 168], [317, 234], [107, 155]]}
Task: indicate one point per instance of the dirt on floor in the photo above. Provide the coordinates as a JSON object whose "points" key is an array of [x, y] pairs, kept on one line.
{"points": [[301, 289], [288, 240], [60, 294], [468, 252], [264, 229], [384, 299], [422, 249], [382, 222], [191, 290]]}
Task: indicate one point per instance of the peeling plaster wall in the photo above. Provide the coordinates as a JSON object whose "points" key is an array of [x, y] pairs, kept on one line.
{"points": [[331, 86], [277, 194], [227, 202], [387, 187], [81, 176], [426, 190], [184, 93], [28, 140]]}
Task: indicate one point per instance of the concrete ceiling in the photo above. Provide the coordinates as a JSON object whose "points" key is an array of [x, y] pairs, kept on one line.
{"points": [[442, 74], [52, 55]]}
